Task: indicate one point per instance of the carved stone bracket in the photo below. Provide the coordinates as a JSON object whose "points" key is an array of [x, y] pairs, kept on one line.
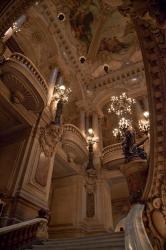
{"points": [[49, 137]]}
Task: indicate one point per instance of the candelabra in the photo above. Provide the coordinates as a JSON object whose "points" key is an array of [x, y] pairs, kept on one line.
{"points": [[124, 123], [144, 126], [61, 96], [121, 105], [117, 133]]}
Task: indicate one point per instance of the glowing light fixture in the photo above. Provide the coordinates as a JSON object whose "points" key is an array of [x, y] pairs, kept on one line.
{"points": [[61, 92], [121, 105], [146, 114], [124, 123], [117, 132]]}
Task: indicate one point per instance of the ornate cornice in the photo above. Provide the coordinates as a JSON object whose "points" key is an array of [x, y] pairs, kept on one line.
{"points": [[121, 78]]}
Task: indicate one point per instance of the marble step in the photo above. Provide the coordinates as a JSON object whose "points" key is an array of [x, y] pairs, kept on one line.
{"points": [[114, 236], [108, 247], [75, 243], [110, 241]]}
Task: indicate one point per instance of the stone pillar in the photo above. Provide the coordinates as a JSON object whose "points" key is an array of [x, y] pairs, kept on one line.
{"points": [[33, 182], [96, 124], [52, 82], [82, 121], [86, 122]]}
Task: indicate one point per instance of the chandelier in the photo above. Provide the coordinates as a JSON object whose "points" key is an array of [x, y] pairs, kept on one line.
{"points": [[124, 123], [121, 105], [62, 93], [117, 132]]}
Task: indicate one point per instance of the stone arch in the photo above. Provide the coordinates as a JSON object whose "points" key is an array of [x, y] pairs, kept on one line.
{"points": [[152, 41]]}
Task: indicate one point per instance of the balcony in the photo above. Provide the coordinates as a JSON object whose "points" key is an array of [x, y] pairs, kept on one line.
{"points": [[74, 144], [25, 83], [112, 155]]}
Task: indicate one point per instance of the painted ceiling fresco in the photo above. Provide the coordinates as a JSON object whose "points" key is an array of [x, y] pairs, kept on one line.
{"points": [[101, 34], [83, 16]]}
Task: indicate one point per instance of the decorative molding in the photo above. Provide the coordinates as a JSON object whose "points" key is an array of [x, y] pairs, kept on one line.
{"points": [[25, 83], [49, 137], [74, 144], [121, 78]]}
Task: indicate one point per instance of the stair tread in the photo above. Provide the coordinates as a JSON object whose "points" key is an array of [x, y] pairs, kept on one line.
{"points": [[110, 241], [83, 242], [105, 236]]}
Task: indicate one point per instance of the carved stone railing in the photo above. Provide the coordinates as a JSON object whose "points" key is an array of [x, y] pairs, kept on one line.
{"points": [[112, 155], [23, 234], [74, 143], [135, 233], [26, 84], [120, 78]]}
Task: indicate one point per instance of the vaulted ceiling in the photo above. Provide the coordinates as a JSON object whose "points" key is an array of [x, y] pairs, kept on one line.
{"points": [[94, 46]]}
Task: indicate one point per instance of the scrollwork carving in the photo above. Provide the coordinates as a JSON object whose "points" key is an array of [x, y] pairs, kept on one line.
{"points": [[49, 137]]}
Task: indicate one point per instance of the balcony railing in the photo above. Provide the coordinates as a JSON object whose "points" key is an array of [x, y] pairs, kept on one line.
{"points": [[25, 82], [22, 235], [112, 154], [74, 143]]}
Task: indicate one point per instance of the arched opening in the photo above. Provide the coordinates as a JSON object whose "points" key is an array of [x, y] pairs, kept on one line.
{"points": [[93, 81]]}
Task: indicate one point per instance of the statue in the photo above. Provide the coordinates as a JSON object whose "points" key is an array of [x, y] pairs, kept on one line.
{"points": [[131, 148]]}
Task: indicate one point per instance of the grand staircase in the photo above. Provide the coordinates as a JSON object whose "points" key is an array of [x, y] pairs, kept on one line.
{"points": [[112, 241]]}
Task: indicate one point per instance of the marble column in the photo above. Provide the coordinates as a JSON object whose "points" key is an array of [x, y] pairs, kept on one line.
{"points": [[86, 122], [96, 124], [15, 28], [52, 82], [82, 122]]}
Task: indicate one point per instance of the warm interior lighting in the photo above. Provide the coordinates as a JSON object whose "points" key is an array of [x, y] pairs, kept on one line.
{"points": [[124, 123], [62, 93], [90, 137], [117, 132], [146, 114], [144, 125], [121, 105], [90, 131]]}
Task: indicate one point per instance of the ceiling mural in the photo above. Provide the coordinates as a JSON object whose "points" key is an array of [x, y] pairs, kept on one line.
{"points": [[98, 31], [83, 16]]}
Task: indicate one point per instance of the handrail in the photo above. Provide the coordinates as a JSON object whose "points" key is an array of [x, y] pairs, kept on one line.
{"points": [[111, 148], [23, 234], [135, 234], [20, 225], [74, 129], [32, 68]]}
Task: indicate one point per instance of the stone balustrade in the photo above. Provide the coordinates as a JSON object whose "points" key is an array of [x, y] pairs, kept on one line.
{"points": [[120, 77], [32, 68], [21, 235], [112, 154], [27, 86], [74, 143]]}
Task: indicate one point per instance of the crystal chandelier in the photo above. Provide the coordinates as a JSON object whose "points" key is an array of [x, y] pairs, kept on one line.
{"points": [[62, 93], [121, 105], [124, 123], [117, 132]]}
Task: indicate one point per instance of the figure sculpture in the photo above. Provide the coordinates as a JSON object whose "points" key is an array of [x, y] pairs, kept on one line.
{"points": [[132, 149]]}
